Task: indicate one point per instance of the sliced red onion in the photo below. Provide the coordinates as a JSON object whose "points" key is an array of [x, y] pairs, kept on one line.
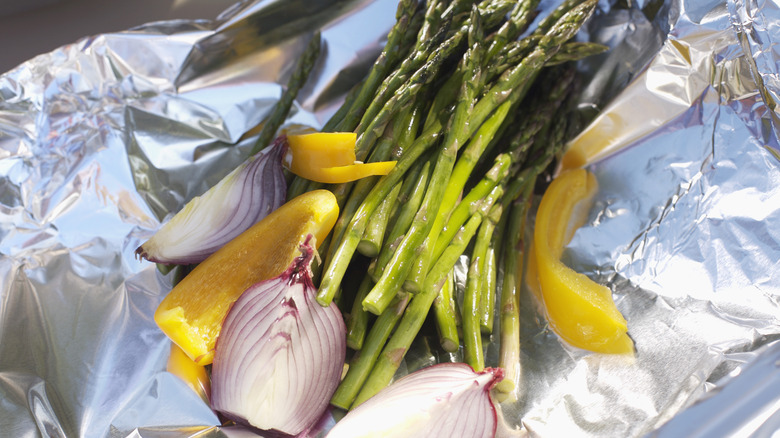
{"points": [[247, 194], [445, 400], [279, 356]]}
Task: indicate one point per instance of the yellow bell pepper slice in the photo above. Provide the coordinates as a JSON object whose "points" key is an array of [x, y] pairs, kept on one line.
{"points": [[579, 310], [329, 157], [192, 313], [194, 375]]}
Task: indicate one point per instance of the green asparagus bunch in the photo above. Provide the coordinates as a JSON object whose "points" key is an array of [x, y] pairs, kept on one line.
{"points": [[473, 112]]}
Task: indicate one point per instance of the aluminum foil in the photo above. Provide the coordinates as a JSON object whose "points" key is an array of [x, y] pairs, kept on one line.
{"points": [[100, 140]]}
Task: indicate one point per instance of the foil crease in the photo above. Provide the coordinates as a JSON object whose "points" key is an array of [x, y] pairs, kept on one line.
{"points": [[101, 139]]}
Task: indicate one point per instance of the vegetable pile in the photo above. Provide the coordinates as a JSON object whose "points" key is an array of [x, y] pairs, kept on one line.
{"points": [[434, 157], [473, 114]]}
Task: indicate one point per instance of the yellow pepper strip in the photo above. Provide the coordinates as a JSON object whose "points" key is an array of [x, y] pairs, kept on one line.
{"points": [[192, 313], [322, 149], [578, 309], [329, 157], [194, 375]]}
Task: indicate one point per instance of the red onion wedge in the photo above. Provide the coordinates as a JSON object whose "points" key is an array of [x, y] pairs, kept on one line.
{"points": [[444, 400], [247, 194], [279, 356]]}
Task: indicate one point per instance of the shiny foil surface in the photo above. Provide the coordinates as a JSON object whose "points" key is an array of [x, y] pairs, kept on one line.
{"points": [[102, 139]]}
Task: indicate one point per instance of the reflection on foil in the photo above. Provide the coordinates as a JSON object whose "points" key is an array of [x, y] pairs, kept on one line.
{"points": [[100, 140]]}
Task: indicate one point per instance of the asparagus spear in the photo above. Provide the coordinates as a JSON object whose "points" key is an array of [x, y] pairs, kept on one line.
{"points": [[414, 315], [457, 134], [487, 281], [472, 334], [512, 261], [447, 320], [371, 243], [360, 366], [416, 184], [357, 322], [453, 189], [282, 107], [389, 56], [399, 136]]}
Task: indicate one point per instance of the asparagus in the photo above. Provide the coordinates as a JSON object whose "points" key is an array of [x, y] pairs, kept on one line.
{"points": [[342, 254], [393, 353], [399, 136], [457, 134], [357, 322], [371, 242], [389, 56], [487, 281], [282, 107], [361, 363], [509, 313], [472, 334], [465, 121], [460, 173], [416, 184], [463, 210], [512, 85], [446, 314]]}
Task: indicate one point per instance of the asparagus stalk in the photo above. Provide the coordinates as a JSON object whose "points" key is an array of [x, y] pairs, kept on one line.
{"points": [[361, 363], [457, 134], [391, 53], [519, 19], [398, 136], [282, 107], [393, 353], [459, 176], [472, 337], [575, 51], [415, 184], [487, 282], [371, 243], [472, 333], [463, 210], [345, 248], [509, 313], [357, 322], [447, 320]]}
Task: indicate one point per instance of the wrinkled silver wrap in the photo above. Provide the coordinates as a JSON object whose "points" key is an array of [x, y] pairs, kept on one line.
{"points": [[102, 139]]}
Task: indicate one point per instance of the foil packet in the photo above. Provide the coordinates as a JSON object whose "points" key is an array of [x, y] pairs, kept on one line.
{"points": [[102, 139]]}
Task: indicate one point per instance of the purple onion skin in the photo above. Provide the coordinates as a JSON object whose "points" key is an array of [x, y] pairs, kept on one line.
{"points": [[226, 210], [279, 356]]}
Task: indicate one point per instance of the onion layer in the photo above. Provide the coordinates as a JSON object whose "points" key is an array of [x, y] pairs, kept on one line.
{"points": [[445, 400], [247, 194], [280, 354]]}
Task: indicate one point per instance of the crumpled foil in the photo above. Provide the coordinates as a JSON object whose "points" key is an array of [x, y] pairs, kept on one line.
{"points": [[100, 140]]}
